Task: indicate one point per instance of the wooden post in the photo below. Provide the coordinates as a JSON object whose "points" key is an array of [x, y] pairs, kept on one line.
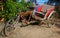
{"points": [[1, 5], [2, 9]]}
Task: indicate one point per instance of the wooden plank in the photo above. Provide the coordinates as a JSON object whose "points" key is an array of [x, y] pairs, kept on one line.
{"points": [[1, 7]]}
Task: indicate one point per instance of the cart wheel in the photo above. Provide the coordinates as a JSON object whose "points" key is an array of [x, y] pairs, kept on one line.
{"points": [[9, 27], [50, 18]]}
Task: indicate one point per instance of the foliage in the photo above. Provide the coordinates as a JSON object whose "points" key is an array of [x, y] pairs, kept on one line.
{"points": [[12, 7], [58, 11], [0, 14], [23, 5]]}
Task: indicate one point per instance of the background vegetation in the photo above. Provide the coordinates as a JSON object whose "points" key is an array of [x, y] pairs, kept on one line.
{"points": [[13, 7]]}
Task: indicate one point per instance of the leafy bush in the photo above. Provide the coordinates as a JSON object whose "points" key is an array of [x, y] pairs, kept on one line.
{"points": [[0, 14], [12, 7]]}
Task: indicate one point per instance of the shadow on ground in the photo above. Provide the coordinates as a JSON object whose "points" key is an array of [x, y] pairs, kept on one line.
{"points": [[58, 32], [57, 25]]}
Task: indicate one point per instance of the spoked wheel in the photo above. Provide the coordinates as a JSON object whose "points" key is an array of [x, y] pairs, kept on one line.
{"points": [[50, 19], [9, 30], [9, 27], [11, 24]]}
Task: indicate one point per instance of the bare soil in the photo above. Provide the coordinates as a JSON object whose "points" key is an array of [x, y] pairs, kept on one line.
{"points": [[35, 31]]}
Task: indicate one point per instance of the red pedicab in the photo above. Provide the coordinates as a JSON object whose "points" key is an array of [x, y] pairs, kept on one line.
{"points": [[44, 13]]}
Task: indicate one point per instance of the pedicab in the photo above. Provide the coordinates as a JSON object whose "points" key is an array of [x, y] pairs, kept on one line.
{"points": [[44, 13]]}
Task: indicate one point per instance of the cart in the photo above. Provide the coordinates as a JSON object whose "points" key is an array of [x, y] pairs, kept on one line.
{"points": [[44, 13]]}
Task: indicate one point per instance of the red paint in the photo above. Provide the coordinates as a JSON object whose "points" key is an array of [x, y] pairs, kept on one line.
{"points": [[40, 8], [49, 11]]}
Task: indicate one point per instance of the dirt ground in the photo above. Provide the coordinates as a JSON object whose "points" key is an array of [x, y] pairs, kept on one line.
{"points": [[34, 31]]}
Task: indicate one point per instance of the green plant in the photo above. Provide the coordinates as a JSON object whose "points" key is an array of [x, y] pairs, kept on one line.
{"points": [[0, 14], [11, 9]]}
